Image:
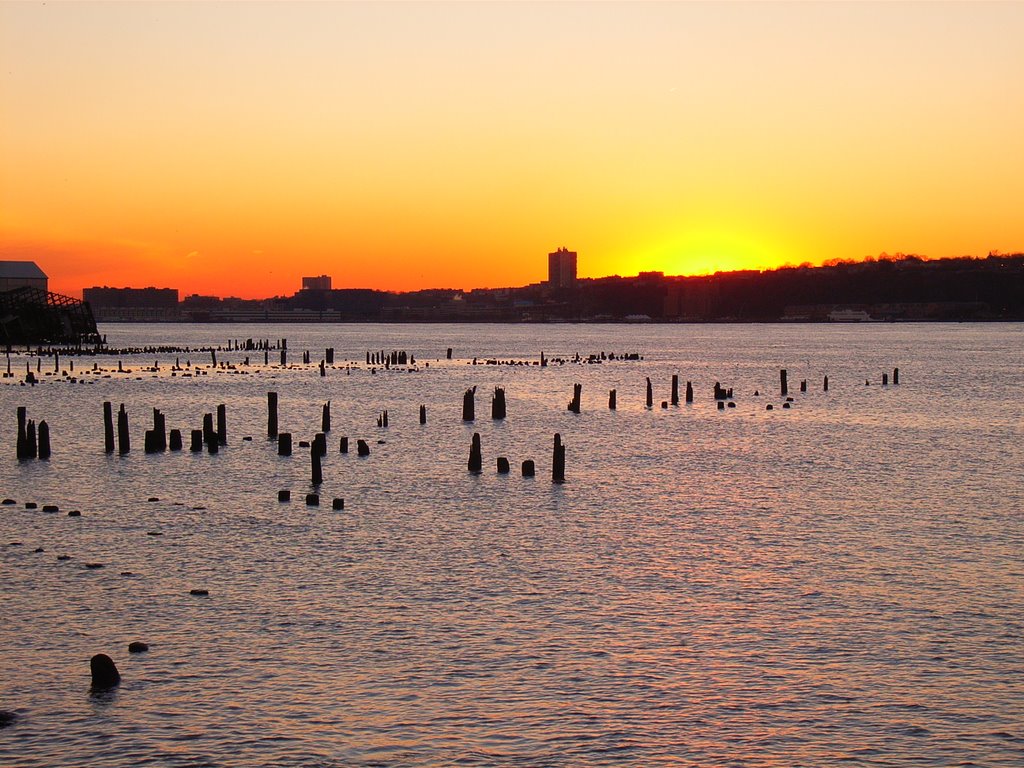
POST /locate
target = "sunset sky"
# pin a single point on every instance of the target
(231, 148)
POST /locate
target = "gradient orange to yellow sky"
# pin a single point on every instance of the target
(231, 148)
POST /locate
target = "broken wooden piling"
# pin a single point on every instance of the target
(498, 404)
(476, 461)
(271, 415)
(108, 427)
(558, 460)
(468, 404)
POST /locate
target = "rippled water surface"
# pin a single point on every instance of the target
(837, 583)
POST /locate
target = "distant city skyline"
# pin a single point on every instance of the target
(232, 148)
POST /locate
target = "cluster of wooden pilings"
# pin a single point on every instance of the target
(395, 357)
(528, 467)
(32, 443)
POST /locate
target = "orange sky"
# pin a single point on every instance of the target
(233, 148)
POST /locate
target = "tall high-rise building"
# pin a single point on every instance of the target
(562, 268)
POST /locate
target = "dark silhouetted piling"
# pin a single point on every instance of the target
(22, 446)
(675, 389)
(325, 417)
(312, 500)
(529, 469)
(44, 440)
(317, 470)
(824, 384)
(196, 446)
(423, 414)
(159, 432)
(362, 449)
(271, 415)
(222, 424)
(558, 460)
(650, 393)
(449, 353)
(885, 379)
(149, 442)
(476, 459)
(344, 445)
(284, 495)
(469, 404)
(803, 385)
(689, 392)
(329, 355)
(31, 447)
(611, 400)
(498, 404)
(895, 376)
(104, 671)
(783, 385)
(503, 466)
(284, 444)
(124, 443)
(108, 427)
(577, 392)
(284, 358)
(175, 441)
(337, 504)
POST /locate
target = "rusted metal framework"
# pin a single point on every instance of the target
(34, 316)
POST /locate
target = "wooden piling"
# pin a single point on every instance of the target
(824, 384)
(528, 468)
(325, 417)
(123, 438)
(895, 376)
(44, 440)
(689, 392)
(476, 461)
(468, 404)
(611, 400)
(783, 385)
(196, 446)
(284, 444)
(803, 385)
(503, 465)
(675, 389)
(344, 445)
(574, 404)
(271, 415)
(317, 469)
(885, 379)
(329, 355)
(498, 404)
(175, 441)
(22, 446)
(449, 353)
(650, 393)
(423, 414)
(210, 434)
(558, 460)
(362, 449)
(159, 430)
(222, 424)
(108, 427)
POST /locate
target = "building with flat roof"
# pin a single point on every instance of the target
(562, 268)
(320, 283)
(22, 274)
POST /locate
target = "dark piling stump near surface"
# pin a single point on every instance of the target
(803, 385)
(611, 400)
(175, 441)
(689, 392)
(650, 393)
(196, 445)
(31, 446)
(312, 499)
(317, 473)
(423, 414)
(104, 671)
(325, 417)
(362, 449)
(469, 404)
(284, 495)
(337, 504)
(529, 469)
(108, 427)
(476, 461)
(895, 376)
(783, 383)
(885, 379)
(271, 415)
(503, 466)
(284, 444)
(210, 434)
(343, 446)
(558, 460)
(675, 389)
(329, 355)
(21, 449)
(824, 384)
(449, 353)
(137, 647)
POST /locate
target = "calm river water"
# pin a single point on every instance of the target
(837, 583)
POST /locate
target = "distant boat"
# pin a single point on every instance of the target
(849, 316)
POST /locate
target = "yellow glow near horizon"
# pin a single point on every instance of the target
(232, 148)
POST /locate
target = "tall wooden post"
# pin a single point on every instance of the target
(558, 460)
(783, 385)
(222, 424)
(650, 393)
(271, 415)
(476, 461)
(124, 444)
(108, 427)
(468, 404)
(675, 389)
